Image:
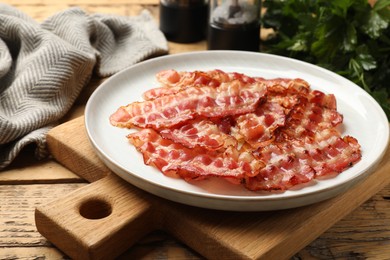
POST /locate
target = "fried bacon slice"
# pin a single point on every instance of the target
(203, 133)
(311, 116)
(298, 161)
(173, 81)
(286, 92)
(283, 169)
(228, 99)
(197, 163)
(257, 128)
(328, 153)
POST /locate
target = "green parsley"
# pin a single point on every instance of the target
(349, 37)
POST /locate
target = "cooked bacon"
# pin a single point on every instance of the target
(203, 133)
(328, 153)
(283, 169)
(267, 134)
(308, 117)
(298, 161)
(228, 99)
(172, 82)
(257, 128)
(286, 92)
(285, 85)
(321, 99)
(172, 77)
(197, 163)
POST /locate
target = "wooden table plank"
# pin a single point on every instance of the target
(31, 253)
(41, 11)
(18, 202)
(47, 171)
(80, 2)
(20, 239)
(365, 233)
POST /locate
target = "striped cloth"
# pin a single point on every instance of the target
(44, 66)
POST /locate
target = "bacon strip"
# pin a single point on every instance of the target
(286, 92)
(257, 128)
(172, 158)
(203, 133)
(309, 117)
(283, 169)
(228, 99)
(172, 82)
(301, 160)
(328, 153)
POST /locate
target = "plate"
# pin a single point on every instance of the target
(363, 118)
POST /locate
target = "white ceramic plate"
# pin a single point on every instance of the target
(363, 119)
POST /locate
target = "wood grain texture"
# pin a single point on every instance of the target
(62, 145)
(18, 234)
(363, 234)
(99, 221)
(81, 2)
(32, 253)
(234, 235)
(41, 10)
(19, 238)
(27, 170)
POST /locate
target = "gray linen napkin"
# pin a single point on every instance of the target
(44, 66)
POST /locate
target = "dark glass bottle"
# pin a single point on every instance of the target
(234, 25)
(184, 21)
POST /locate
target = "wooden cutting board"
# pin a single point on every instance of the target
(106, 217)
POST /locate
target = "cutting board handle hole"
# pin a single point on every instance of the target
(95, 208)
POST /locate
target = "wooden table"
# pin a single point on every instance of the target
(365, 233)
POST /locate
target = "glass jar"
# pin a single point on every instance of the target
(184, 21)
(234, 25)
